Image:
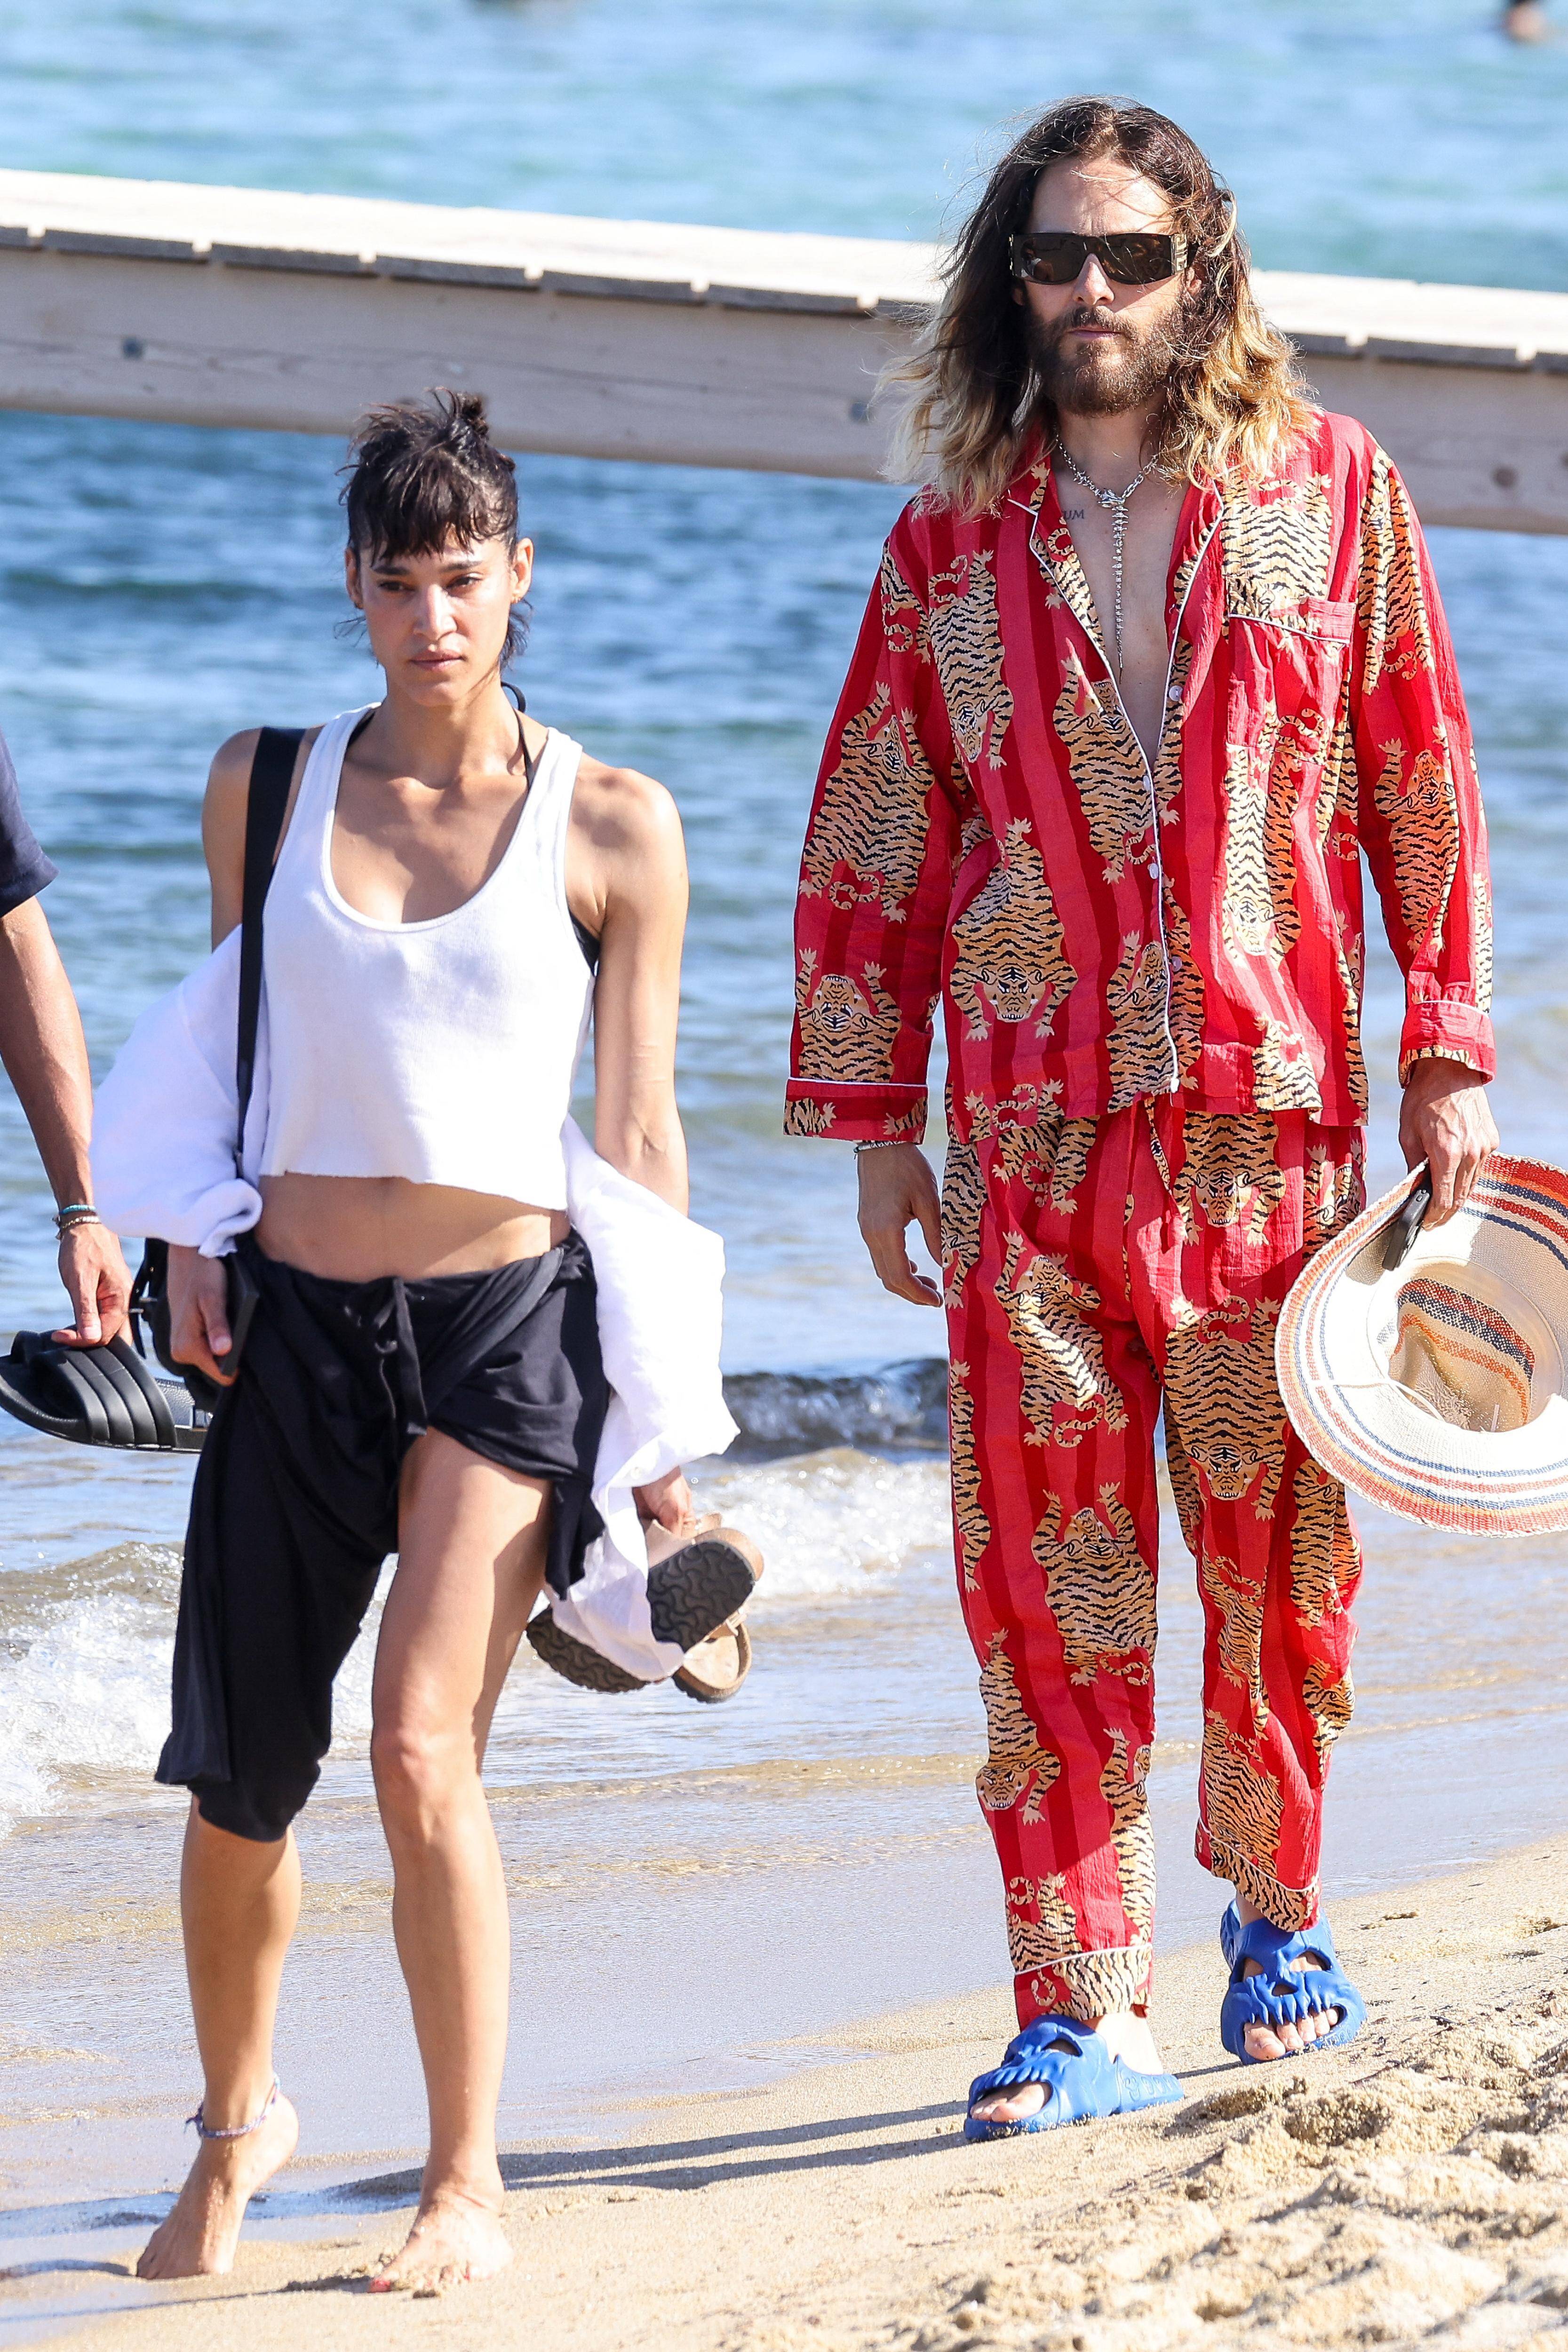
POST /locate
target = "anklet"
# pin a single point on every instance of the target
(235, 2131)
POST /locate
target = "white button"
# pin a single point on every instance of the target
(1175, 695)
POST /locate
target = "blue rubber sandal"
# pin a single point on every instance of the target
(1081, 2078)
(1283, 1995)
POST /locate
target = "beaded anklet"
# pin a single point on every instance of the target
(235, 2131)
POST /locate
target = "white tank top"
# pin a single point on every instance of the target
(443, 1051)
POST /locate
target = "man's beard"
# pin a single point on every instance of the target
(1101, 378)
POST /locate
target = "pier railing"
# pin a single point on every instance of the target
(674, 345)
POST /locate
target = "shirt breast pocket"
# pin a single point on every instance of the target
(1295, 657)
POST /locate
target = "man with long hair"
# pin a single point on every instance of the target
(1154, 658)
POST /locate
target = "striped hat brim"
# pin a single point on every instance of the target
(1474, 1439)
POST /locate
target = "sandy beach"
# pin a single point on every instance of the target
(1409, 2190)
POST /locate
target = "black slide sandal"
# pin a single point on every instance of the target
(107, 1395)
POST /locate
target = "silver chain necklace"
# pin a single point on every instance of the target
(1115, 503)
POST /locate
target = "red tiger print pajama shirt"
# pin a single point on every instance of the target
(1151, 980)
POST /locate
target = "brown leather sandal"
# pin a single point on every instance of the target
(717, 1667)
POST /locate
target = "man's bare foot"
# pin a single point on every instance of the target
(199, 2237)
(1289, 2041)
(455, 2240)
(1124, 2034)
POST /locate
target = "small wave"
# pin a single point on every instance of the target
(903, 1406)
(86, 1644)
(84, 1672)
(826, 1521)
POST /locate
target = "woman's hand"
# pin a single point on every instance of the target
(667, 1503)
(897, 1190)
(669, 1517)
(98, 1283)
(198, 1312)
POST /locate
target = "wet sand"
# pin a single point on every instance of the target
(1411, 2189)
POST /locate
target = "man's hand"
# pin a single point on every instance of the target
(198, 1312)
(1445, 1121)
(897, 1190)
(98, 1283)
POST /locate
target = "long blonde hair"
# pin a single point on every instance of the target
(1232, 400)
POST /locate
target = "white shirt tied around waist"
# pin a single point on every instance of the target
(443, 1051)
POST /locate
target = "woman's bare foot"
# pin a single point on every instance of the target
(455, 2240)
(1289, 2041)
(1125, 2034)
(199, 2237)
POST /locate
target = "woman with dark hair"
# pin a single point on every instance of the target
(457, 887)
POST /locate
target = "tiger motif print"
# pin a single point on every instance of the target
(1107, 770)
(1390, 608)
(1009, 940)
(1035, 1145)
(1277, 551)
(968, 1511)
(1143, 1058)
(1062, 1355)
(1087, 1985)
(1124, 1786)
(847, 1031)
(1338, 784)
(1225, 1400)
(804, 1117)
(1324, 1558)
(1331, 1702)
(1228, 1159)
(1261, 784)
(1330, 1196)
(903, 615)
(1481, 919)
(1242, 1804)
(966, 644)
(963, 1205)
(1282, 1076)
(1100, 1589)
(1018, 1763)
(1423, 819)
(1348, 963)
(1185, 1494)
(1186, 1008)
(1042, 1927)
(1238, 1601)
(869, 837)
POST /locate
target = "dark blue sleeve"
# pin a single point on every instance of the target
(24, 868)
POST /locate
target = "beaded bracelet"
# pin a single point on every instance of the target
(879, 1143)
(76, 1212)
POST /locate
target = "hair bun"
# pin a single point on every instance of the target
(465, 411)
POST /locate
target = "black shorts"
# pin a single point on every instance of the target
(294, 1507)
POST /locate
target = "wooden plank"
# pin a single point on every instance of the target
(307, 352)
(659, 342)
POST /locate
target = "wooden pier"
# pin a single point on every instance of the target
(673, 345)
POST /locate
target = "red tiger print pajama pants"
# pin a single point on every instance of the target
(1091, 1264)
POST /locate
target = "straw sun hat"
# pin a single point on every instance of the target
(1435, 1385)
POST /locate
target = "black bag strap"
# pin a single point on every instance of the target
(271, 775)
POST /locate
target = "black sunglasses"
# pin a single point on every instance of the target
(1052, 257)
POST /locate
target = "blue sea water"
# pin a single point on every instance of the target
(160, 587)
